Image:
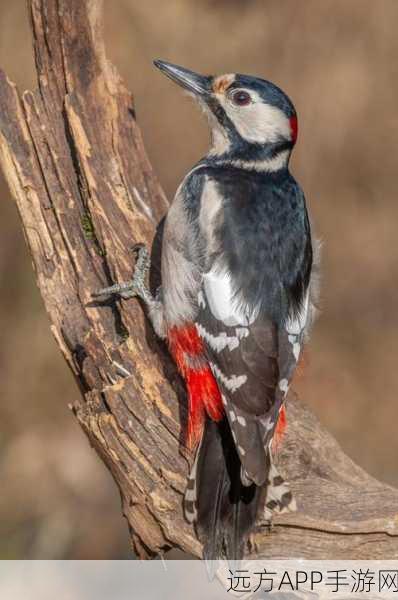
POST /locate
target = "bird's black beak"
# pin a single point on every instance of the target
(193, 82)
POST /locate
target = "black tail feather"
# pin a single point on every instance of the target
(226, 509)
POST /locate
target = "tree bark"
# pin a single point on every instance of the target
(73, 156)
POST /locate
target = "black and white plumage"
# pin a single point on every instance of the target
(250, 307)
(237, 269)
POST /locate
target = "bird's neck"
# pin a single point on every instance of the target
(269, 157)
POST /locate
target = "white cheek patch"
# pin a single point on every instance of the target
(257, 122)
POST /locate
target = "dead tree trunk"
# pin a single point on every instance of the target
(74, 160)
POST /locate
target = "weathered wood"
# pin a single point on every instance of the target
(73, 156)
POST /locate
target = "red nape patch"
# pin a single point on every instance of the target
(203, 394)
(294, 128)
(280, 429)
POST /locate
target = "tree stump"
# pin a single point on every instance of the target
(73, 156)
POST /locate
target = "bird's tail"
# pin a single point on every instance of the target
(223, 509)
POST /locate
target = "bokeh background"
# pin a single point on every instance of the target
(338, 60)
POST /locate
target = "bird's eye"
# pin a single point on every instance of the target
(241, 98)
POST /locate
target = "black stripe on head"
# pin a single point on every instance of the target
(269, 92)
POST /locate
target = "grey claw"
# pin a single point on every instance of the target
(126, 295)
(102, 292)
(125, 290)
(135, 287)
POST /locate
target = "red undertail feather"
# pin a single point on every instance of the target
(204, 396)
(280, 428)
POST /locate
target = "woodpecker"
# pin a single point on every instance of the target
(236, 302)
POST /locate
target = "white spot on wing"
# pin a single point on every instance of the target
(242, 332)
(268, 424)
(232, 383)
(218, 342)
(293, 339)
(201, 300)
(284, 385)
(223, 302)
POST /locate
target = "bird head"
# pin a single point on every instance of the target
(249, 117)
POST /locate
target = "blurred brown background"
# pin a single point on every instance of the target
(338, 60)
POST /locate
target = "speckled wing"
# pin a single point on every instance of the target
(253, 361)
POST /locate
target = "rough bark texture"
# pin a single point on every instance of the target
(73, 156)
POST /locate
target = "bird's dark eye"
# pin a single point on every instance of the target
(241, 98)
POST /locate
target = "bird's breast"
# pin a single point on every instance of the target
(255, 244)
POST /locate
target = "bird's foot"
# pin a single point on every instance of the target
(136, 287)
